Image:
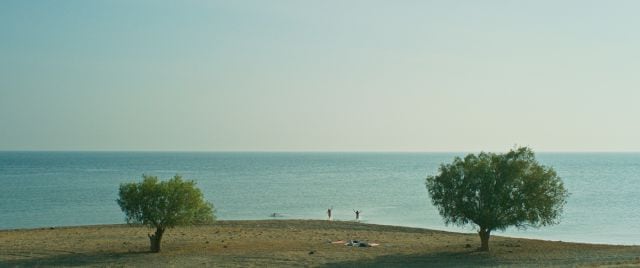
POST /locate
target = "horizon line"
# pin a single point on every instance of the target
(292, 151)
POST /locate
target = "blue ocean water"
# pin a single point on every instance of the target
(41, 189)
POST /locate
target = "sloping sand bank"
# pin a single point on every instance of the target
(278, 243)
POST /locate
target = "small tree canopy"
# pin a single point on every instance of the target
(495, 191)
(164, 205)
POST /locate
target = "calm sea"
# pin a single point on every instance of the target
(41, 189)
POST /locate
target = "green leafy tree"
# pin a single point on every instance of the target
(163, 205)
(495, 191)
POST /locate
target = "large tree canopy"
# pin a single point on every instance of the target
(164, 205)
(495, 191)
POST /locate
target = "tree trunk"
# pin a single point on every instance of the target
(484, 239)
(155, 239)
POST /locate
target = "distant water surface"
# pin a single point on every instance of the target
(41, 189)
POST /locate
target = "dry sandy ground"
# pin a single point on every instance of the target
(284, 243)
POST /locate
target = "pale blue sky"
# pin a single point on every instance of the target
(320, 75)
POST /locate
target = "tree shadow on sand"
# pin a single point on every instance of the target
(70, 260)
(436, 259)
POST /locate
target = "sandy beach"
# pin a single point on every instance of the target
(292, 243)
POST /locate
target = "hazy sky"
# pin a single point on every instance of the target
(320, 75)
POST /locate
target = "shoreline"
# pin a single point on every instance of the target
(494, 234)
(292, 243)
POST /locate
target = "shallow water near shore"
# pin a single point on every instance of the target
(41, 189)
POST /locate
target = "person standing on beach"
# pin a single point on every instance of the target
(329, 213)
(357, 214)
